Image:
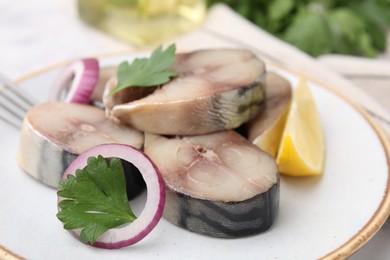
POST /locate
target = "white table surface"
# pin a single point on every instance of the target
(38, 33)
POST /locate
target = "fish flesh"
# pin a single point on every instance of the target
(54, 133)
(265, 129)
(217, 184)
(216, 89)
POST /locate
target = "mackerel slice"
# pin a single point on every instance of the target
(53, 134)
(265, 129)
(217, 184)
(216, 89)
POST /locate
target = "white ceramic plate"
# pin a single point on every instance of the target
(328, 216)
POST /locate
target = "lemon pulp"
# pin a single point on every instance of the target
(302, 148)
(269, 141)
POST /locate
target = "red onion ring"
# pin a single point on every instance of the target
(151, 214)
(83, 75)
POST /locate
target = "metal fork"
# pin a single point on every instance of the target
(13, 103)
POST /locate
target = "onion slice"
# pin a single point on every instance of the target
(82, 76)
(132, 233)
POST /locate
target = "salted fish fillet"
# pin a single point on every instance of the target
(53, 134)
(216, 89)
(266, 128)
(217, 184)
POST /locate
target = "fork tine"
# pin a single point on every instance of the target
(13, 103)
(12, 112)
(10, 122)
(8, 84)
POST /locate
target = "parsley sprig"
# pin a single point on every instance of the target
(95, 199)
(318, 27)
(147, 72)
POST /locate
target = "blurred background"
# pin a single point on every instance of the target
(338, 33)
(353, 27)
(316, 27)
(348, 27)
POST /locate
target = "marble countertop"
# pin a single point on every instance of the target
(38, 33)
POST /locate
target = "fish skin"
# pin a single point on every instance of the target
(53, 134)
(223, 219)
(40, 158)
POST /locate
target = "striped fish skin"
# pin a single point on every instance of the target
(223, 219)
(40, 158)
(216, 89)
(53, 134)
(265, 129)
(217, 184)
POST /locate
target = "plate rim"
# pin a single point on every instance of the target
(345, 250)
(382, 213)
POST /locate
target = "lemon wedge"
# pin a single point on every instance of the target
(302, 148)
(269, 141)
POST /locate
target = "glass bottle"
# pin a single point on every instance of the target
(143, 22)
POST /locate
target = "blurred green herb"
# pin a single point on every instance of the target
(318, 27)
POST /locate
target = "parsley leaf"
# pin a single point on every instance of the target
(349, 33)
(147, 72)
(278, 10)
(95, 199)
(310, 32)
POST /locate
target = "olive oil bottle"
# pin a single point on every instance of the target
(143, 22)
